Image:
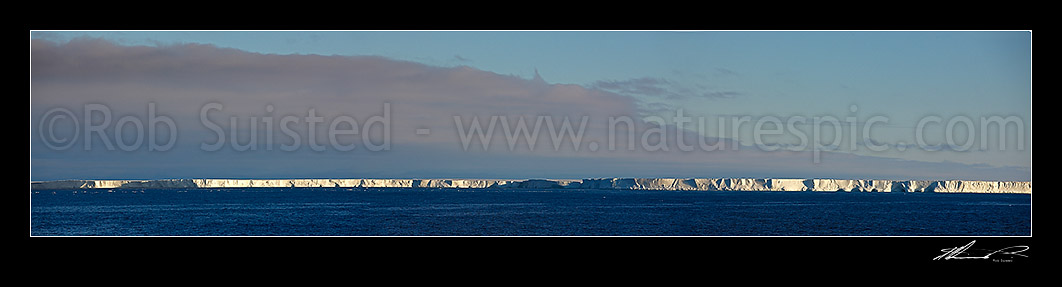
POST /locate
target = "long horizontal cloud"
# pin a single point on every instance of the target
(179, 80)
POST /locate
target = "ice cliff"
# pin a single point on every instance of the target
(705, 184)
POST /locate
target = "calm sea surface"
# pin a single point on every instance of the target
(444, 212)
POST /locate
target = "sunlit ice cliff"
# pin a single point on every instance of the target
(692, 184)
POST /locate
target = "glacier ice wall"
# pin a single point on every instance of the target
(705, 184)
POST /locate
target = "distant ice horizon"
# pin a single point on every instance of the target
(703, 184)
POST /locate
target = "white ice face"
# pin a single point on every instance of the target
(706, 184)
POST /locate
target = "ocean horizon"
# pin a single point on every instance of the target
(524, 212)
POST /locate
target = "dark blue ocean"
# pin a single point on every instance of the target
(452, 212)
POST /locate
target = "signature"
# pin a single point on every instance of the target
(965, 252)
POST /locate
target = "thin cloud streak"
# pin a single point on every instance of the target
(660, 88)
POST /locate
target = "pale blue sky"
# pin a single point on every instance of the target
(904, 75)
(967, 71)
